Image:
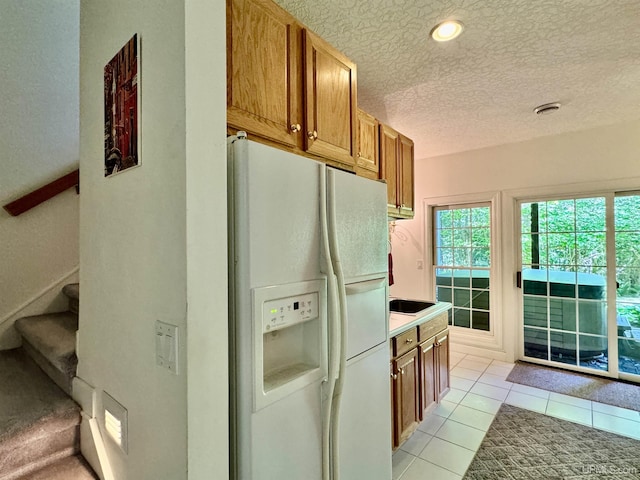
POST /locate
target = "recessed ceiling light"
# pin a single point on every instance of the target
(547, 108)
(446, 31)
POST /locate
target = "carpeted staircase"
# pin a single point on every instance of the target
(39, 422)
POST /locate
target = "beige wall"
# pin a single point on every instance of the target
(39, 143)
(153, 238)
(603, 158)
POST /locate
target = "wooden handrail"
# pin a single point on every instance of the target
(42, 194)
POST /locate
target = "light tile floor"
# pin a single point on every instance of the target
(446, 441)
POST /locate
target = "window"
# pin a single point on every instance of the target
(462, 263)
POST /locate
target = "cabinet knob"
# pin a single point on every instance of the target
(312, 135)
(409, 340)
(359, 154)
(394, 376)
(295, 127)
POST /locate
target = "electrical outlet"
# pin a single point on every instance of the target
(419, 264)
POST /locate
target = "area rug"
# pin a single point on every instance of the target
(590, 387)
(521, 444)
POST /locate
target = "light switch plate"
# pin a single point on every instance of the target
(167, 346)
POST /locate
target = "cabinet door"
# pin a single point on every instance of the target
(330, 101)
(407, 396)
(367, 157)
(406, 176)
(428, 375)
(264, 82)
(442, 353)
(389, 139)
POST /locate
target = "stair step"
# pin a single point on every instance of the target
(51, 340)
(72, 291)
(39, 423)
(69, 468)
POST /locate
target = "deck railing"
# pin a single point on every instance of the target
(42, 194)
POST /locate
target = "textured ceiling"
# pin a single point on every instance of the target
(480, 89)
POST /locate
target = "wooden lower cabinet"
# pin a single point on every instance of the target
(419, 380)
(428, 375)
(442, 364)
(406, 396)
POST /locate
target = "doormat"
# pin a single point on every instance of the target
(590, 387)
(521, 444)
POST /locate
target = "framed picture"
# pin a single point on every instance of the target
(121, 112)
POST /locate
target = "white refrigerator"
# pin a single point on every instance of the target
(310, 393)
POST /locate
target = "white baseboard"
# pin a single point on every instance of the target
(48, 300)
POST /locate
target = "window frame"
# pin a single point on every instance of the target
(493, 338)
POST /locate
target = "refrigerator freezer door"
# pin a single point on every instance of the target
(278, 216)
(361, 223)
(365, 419)
(286, 440)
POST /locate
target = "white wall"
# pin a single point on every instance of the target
(153, 238)
(39, 143)
(607, 157)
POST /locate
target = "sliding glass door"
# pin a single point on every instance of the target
(570, 268)
(627, 244)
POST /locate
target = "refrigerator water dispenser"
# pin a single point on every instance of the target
(290, 339)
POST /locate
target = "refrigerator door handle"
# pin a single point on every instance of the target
(332, 328)
(342, 328)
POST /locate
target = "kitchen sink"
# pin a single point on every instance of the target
(398, 305)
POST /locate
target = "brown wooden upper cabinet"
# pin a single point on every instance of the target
(367, 154)
(264, 84)
(287, 85)
(396, 167)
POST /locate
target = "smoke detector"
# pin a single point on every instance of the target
(547, 108)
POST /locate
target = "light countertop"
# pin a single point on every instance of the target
(401, 322)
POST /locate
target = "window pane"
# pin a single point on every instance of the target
(592, 249)
(443, 294)
(561, 216)
(444, 256)
(592, 317)
(443, 218)
(461, 297)
(535, 343)
(462, 278)
(480, 216)
(444, 237)
(562, 284)
(480, 279)
(461, 318)
(629, 352)
(590, 215)
(564, 348)
(562, 248)
(592, 285)
(627, 248)
(480, 299)
(481, 237)
(461, 218)
(443, 276)
(592, 346)
(626, 216)
(461, 257)
(535, 311)
(480, 320)
(462, 237)
(562, 314)
(525, 218)
(480, 257)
